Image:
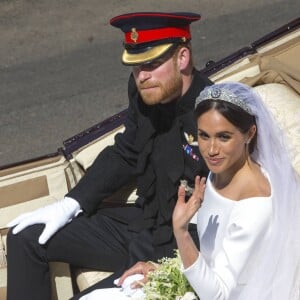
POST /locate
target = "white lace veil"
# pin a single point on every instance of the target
(277, 277)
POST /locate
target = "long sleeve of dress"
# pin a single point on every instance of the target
(231, 234)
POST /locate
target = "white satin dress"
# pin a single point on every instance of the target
(231, 234)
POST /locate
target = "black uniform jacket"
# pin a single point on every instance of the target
(155, 150)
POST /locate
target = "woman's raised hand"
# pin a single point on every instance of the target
(184, 210)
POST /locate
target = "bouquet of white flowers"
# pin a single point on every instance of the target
(167, 282)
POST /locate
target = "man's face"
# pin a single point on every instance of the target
(159, 81)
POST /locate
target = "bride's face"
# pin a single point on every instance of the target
(221, 144)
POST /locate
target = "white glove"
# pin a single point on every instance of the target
(126, 286)
(54, 216)
(123, 293)
(109, 293)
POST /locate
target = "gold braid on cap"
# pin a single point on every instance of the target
(216, 93)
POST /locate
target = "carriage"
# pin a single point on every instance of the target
(271, 65)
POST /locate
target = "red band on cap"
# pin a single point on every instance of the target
(144, 36)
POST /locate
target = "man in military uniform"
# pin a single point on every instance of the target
(158, 149)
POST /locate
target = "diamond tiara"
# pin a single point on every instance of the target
(216, 93)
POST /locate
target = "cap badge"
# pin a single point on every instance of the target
(134, 35)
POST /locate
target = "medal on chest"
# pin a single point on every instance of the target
(189, 145)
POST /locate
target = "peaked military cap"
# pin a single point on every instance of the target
(150, 35)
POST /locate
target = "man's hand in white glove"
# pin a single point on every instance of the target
(123, 293)
(54, 216)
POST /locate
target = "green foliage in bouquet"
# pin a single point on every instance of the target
(167, 282)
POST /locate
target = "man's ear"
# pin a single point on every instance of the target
(183, 58)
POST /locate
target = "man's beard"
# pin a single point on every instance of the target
(161, 93)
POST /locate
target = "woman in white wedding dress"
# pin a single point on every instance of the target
(248, 208)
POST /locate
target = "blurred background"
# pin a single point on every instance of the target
(60, 68)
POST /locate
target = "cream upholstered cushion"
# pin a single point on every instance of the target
(284, 103)
(24, 188)
(87, 277)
